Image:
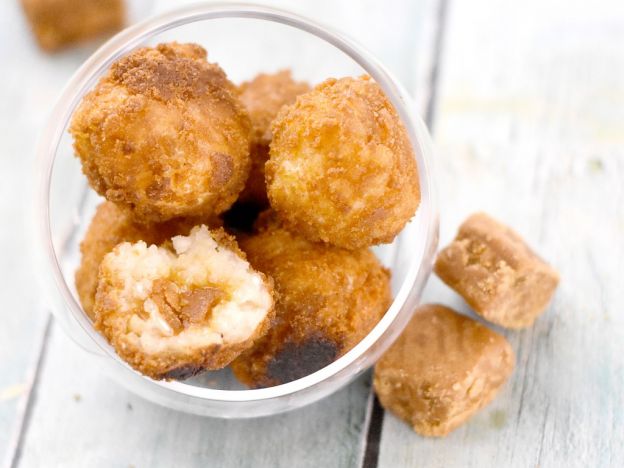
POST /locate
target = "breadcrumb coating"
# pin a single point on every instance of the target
(263, 97)
(164, 133)
(112, 225)
(327, 300)
(341, 167)
(172, 313)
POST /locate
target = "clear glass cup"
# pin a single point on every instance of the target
(245, 40)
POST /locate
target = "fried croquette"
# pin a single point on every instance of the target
(263, 97)
(327, 300)
(341, 167)
(60, 23)
(112, 225)
(172, 313)
(165, 134)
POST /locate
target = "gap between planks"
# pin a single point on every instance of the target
(29, 397)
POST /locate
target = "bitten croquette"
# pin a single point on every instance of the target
(112, 225)
(174, 312)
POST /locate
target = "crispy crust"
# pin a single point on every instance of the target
(327, 300)
(341, 167)
(442, 370)
(263, 98)
(181, 367)
(182, 363)
(164, 134)
(112, 225)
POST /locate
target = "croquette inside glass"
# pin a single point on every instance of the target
(341, 168)
(174, 311)
(112, 225)
(327, 300)
(164, 133)
(263, 97)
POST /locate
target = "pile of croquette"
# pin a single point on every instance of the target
(237, 229)
(238, 220)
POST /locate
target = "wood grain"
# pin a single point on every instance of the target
(530, 129)
(25, 97)
(81, 418)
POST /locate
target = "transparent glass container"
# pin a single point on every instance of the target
(244, 40)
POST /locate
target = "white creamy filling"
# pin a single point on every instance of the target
(136, 266)
(200, 261)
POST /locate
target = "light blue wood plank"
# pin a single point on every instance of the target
(29, 83)
(530, 129)
(81, 418)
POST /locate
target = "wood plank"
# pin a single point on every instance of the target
(74, 406)
(529, 128)
(83, 419)
(26, 99)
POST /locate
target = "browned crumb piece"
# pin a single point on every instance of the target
(174, 311)
(57, 23)
(263, 97)
(496, 273)
(442, 370)
(112, 225)
(327, 300)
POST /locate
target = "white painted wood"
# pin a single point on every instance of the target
(83, 419)
(29, 84)
(531, 129)
(72, 415)
(26, 392)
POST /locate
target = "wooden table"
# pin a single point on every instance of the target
(526, 105)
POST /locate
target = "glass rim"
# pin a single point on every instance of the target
(137, 34)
